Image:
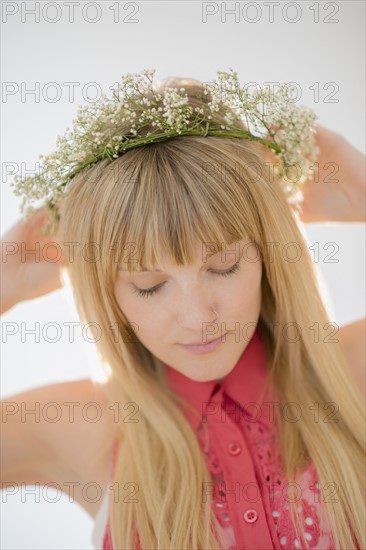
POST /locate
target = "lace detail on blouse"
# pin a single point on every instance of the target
(262, 439)
(219, 502)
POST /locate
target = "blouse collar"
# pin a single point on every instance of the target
(245, 385)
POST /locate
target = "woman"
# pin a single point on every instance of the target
(184, 467)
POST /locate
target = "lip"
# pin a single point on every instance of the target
(204, 348)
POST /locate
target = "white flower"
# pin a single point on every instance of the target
(96, 131)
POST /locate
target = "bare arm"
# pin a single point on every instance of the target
(71, 450)
(28, 276)
(35, 449)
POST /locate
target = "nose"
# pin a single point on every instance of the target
(194, 309)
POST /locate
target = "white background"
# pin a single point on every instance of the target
(173, 38)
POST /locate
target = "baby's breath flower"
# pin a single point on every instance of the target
(270, 117)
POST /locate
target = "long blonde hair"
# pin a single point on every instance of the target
(217, 190)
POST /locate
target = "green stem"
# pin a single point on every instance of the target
(155, 138)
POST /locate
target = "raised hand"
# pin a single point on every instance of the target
(338, 190)
(30, 261)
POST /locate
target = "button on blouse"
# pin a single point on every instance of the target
(236, 431)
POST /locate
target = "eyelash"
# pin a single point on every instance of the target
(145, 293)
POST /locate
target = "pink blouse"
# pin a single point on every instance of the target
(237, 434)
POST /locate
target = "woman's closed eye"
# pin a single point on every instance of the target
(146, 292)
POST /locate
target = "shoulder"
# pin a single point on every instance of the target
(84, 441)
(70, 439)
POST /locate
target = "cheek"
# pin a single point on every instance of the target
(136, 310)
(118, 294)
(247, 295)
(124, 301)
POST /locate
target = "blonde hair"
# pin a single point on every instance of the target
(158, 197)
